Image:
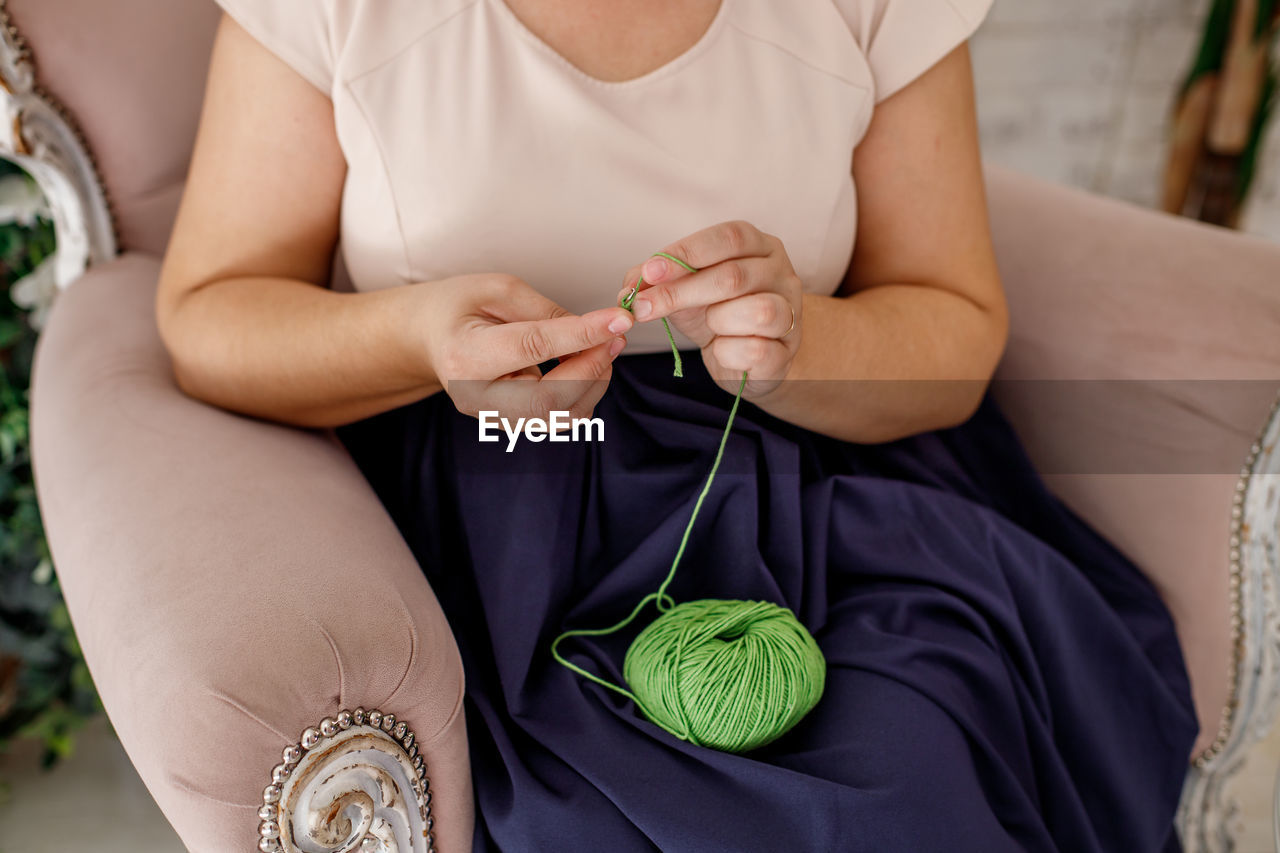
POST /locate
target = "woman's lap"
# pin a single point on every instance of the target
(998, 676)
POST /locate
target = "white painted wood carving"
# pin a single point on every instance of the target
(38, 135)
(356, 782)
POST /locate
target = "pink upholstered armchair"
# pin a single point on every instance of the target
(271, 656)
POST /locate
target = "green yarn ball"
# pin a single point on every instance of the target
(732, 675)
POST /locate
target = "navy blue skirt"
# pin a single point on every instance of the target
(999, 676)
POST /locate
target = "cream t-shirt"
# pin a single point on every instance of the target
(472, 146)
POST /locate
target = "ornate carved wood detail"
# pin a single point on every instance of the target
(355, 782)
(39, 135)
(1208, 815)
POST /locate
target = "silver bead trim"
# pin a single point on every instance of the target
(1235, 572)
(317, 737)
(310, 738)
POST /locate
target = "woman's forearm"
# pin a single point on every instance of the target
(293, 352)
(888, 362)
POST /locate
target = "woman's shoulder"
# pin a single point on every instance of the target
(901, 39)
(330, 40)
(877, 44)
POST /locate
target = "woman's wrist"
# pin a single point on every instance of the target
(887, 363)
(408, 313)
(830, 325)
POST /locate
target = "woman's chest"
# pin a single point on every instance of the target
(481, 149)
(620, 40)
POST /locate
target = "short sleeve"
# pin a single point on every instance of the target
(299, 32)
(902, 39)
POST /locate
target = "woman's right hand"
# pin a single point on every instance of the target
(486, 334)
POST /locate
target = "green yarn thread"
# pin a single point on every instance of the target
(732, 675)
(631, 297)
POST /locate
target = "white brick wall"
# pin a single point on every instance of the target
(1081, 92)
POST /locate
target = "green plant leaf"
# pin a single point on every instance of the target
(55, 692)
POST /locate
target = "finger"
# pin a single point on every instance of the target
(630, 281)
(508, 347)
(656, 268)
(765, 315)
(726, 280)
(760, 357)
(636, 283)
(586, 379)
(472, 396)
(734, 239)
(562, 389)
(706, 247)
(512, 300)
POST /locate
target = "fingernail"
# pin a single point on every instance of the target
(616, 347)
(642, 308)
(655, 269)
(620, 324)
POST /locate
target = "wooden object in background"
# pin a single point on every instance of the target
(1221, 113)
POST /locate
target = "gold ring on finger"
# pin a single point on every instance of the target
(792, 327)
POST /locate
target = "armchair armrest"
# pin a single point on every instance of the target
(233, 583)
(1142, 374)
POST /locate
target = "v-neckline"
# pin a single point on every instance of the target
(668, 67)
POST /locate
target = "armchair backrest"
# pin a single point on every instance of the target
(139, 107)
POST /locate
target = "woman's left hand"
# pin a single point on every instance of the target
(742, 306)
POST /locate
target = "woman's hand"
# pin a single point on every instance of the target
(485, 336)
(742, 307)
